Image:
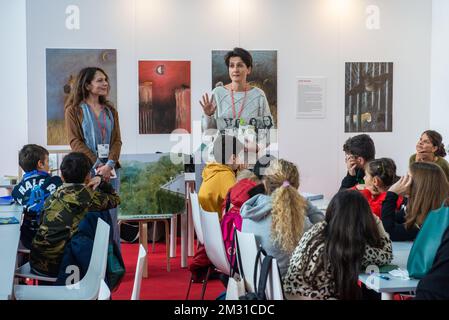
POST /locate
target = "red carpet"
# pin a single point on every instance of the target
(160, 284)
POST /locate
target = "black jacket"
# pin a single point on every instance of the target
(393, 220)
(435, 285)
(350, 181)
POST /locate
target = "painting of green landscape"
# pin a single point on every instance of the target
(151, 184)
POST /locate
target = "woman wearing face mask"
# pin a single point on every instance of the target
(430, 148)
(236, 100)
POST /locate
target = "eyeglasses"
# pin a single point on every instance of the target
(350, 157)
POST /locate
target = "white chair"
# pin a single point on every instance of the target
(214, 245)
(195, 205)
(274, 289)
(248, 251)
(86, 289)
(138, 276)
(24, 271)
(105, 293)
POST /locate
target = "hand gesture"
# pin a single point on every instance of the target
(105, 171)
(208, 105)
(351, 165)
(94, 183)
(402, 186)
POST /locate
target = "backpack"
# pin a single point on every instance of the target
(231, 219)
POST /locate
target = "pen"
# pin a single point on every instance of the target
(380, 276)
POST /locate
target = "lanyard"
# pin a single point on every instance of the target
(233, 104)
(100, 126)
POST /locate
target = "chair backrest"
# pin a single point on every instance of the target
(138, 276)
(195, 205)
(97, 265)
(248, 252)
(105, 293)
(89, 286)
(213, 240)
(274, 290)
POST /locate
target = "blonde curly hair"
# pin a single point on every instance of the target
(289, 207)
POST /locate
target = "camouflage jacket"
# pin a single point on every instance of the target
(62, 213)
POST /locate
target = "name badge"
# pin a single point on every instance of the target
(103, 151)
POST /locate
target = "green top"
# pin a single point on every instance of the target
(440, 161)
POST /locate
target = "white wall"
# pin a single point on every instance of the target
(311, 41)
(13, 84)
(439, 98)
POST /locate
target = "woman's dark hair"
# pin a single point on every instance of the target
(79, 91)
(361, 146)
(437, 141)
(243, 54)
(75, 167)
(350, 228)
(30, 155)
(384, 169)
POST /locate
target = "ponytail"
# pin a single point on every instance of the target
(288, 215)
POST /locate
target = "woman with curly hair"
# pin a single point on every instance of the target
(280, 217)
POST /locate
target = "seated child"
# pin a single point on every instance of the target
(219, 176)
(35, 187)
(358, 151)
(330, 256)
(425, 187)
(247, 185)
(279, 217)
(380, 174)
(64, 210)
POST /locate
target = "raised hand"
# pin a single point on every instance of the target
(351, 165)
(208, 105)
(402, 186)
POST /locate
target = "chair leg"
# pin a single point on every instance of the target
(167, 243)
(203, 290)
(154, 236)
(190, 285)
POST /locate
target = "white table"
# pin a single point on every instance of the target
(9, 243)
(387, 288)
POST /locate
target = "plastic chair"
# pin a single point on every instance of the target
(248, 251)
(274, 289)
(213, 243)
(86, 289)
(105, 293)
(24, 271)
(195, 204)
(138, 276)
(196, 208)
